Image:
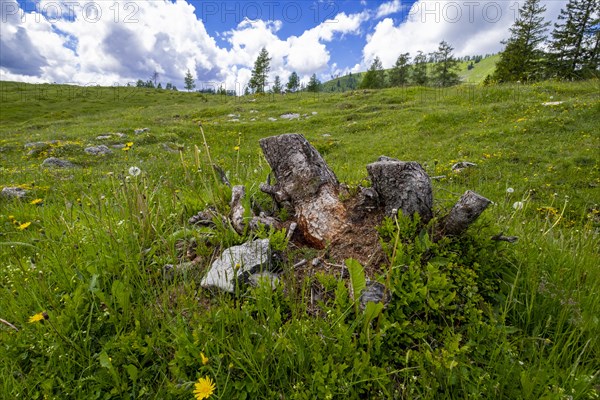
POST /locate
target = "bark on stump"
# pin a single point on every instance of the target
(402, 186)
(305, 180)
(464, 213)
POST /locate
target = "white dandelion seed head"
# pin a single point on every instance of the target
(134, 171)
(510, 190)
(517, 205)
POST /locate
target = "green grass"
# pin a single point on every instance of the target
(468, 317)
(483, 68)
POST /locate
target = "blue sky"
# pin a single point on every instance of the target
(113, 42)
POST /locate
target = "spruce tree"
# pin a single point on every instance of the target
(277, 87)
(189, 81)
(374, 78)
(446, 66)
(522, 56)
(400, 71)
(293, 82)
(574, 46)
(314, 85)
(261, 69)
(419, 71)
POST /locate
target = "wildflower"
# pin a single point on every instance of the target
(38, 317)
(204, 388)
(126, 148)
(236, 148)
(510, 190)
(517, 205)
(129, 144)
(36, 201)
(134, 171)
(24, 226)
(204, 359)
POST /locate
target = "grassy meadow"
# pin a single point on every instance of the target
(469, 317)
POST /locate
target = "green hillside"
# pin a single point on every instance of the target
(474, 76)
(100, 290)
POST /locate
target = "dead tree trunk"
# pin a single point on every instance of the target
(402, 186)
(464, 213)
(308, 184)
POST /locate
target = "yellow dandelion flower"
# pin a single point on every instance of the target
(126, 148)
(24, 226)
(129, 144)
(11, 217)
(236, 148)
(204, 359)
(204, 388)
(38, 317)
(36, 201)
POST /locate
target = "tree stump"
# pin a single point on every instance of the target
(464, 213)
(305, 180)
(402, 186)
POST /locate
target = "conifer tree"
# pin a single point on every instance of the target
(574, 45)
(522, 56)
(446, 66)
(419, 71)
(314, 85)
(277, 87)
(293, 82)
(261, 69)
(374, 78)
(400, 71)
(189, 81)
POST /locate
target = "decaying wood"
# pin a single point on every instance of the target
(402, 186)
(464, 213)
(501, 238)
(306, 181)
(304, 184)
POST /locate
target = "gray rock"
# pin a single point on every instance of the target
(264, 277)
(56, 162)
(462, 164)
(142, 130)
(103, 137)
(290, 116)
(375, 292)
(37, 145)
(272, 119)
(237, 262)
(98, 150)
(13, 192)
(233, 120)
(118, 146)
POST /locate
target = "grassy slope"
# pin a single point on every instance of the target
(85, 245)
(474, 76)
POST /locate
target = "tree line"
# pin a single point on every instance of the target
(571, 51)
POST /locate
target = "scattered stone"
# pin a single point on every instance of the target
(13, 192)
(103, 137)
(39, 145)
(272, 119)
(326, 135)
(170, 147)
(253, 119)
(290, 116)
(98, 150)
(139, 131)
(205, 218)
(375, 292)
(233, 115)
(237, 262)
(233, 120)
(264, 277)
(462, 165)
(118, 146)
(56, 162)
(552, 103)
(120, 134)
